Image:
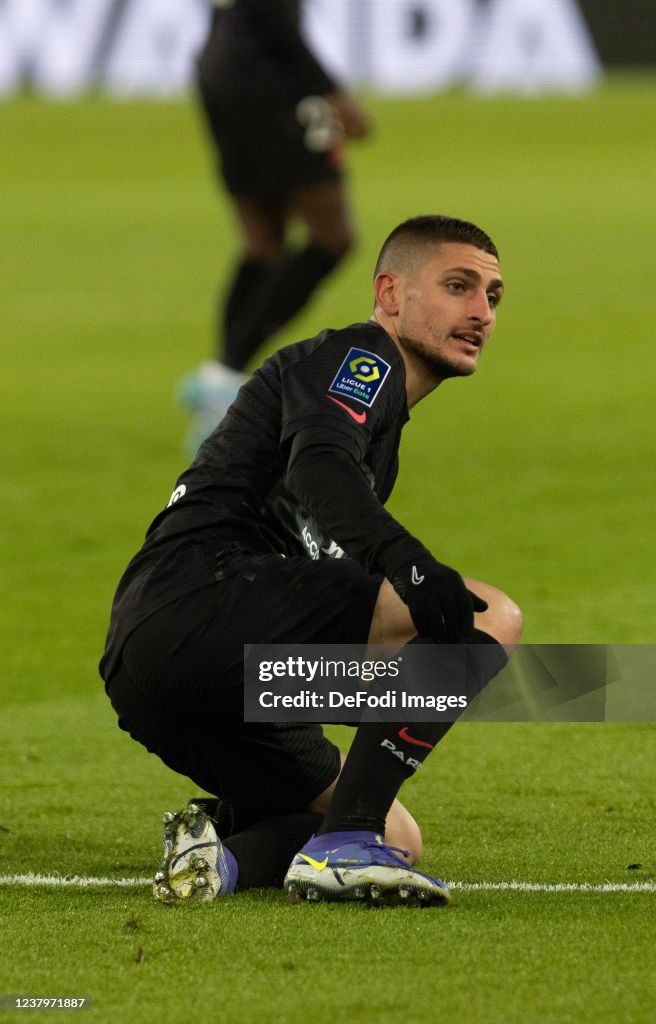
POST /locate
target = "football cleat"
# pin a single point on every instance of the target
(208, 393)
(220, 811)
(194, 865)
(364, 870)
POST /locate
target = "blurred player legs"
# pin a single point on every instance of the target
(277, 120)
(270, 284)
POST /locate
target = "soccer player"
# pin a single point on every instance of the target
(277, 120)
(277, 533)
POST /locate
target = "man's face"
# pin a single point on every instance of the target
(447, 308)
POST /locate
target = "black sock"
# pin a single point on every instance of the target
(249, 278)
(384, 754)
(279, 294)
(374, 773)
(265, 849)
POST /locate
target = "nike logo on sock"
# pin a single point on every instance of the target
(403, 734)
(359, 417)
(318, 865)
(416, 578)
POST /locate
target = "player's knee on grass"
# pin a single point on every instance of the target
(402, 830)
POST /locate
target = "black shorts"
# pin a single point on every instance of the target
(179, 690)
(271, 146)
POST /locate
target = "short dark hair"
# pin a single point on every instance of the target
(400, 247)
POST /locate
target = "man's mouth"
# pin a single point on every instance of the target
(471, 337)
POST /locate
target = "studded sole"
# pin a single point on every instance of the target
(371, 893)
(198, 881)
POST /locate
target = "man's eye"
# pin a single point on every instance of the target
(493, 300)
(456, 286)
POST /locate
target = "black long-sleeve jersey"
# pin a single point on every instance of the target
(301, 464)
(256, 47)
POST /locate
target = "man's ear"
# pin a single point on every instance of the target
(387, 289)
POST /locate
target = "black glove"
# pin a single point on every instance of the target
(440, 604)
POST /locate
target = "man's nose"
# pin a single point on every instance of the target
(480, 309)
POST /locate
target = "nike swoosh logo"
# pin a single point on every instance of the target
(318, 865)
(359, 417)
(416, 578)
(403, 733)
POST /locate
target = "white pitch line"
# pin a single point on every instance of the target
(553, 886)
(79, 881)
(83, 882)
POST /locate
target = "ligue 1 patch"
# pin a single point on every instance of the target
(361, 376)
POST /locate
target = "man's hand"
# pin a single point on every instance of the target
(353, 120)
(440, 605)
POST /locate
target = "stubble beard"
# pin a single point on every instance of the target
(433, 362)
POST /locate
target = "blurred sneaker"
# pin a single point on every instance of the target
(359, 866)
(208, 393)
(195, 865)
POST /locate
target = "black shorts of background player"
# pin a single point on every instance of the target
(278, 121)
(277, 533)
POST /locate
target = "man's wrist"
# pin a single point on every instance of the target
(408, 578)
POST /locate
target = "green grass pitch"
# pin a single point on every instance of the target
(537, 474)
